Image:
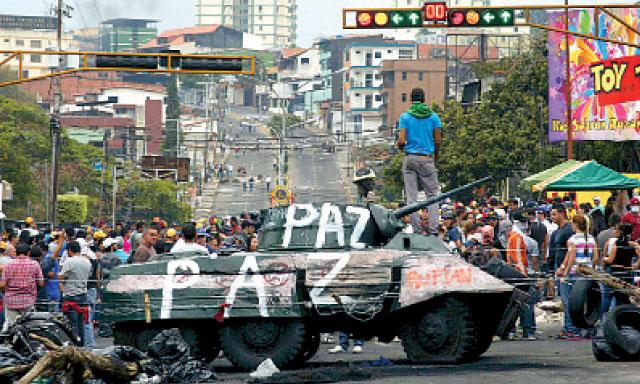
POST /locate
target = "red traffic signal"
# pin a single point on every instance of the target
(464, 18)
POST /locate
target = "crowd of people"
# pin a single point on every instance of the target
(61, 270)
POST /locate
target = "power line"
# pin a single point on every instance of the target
(84, 20)
(95, 5)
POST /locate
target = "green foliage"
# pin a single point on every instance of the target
(158, 198)
(392, 182)
(173, 114)
(13, 91)
(276, 123)
(25, 152)
(72, 209)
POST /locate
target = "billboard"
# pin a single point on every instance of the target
(605, 78)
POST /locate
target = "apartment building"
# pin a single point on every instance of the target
(362, 87)
(126, 35)
(31, 33)
(273, 21)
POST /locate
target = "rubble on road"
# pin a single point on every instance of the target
(169, 361)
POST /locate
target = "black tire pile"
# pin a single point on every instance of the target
(617, 336)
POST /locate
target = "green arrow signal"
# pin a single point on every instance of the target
(397, 19)
(488, 17)
(414, 18)
(506, 16)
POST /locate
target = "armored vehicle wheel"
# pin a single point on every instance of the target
(248, 343)
(444, 334)
(310, 348)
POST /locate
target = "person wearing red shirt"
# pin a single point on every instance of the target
(20, 279)
(633, 217)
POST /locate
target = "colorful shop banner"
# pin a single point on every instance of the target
(605, 82)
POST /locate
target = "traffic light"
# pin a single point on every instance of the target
(481, 17)
(177, 62)
(389, 18)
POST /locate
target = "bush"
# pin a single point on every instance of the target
(72, 209)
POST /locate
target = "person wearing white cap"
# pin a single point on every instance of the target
(597, 204)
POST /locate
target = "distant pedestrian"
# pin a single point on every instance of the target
(20, 280)
(252, 181)
(244, 184)
(267, 181)
(420, 137)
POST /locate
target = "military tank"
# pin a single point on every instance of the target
(318, 268)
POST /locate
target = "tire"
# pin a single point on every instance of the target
(248, 343)
(585, 303)
(204, 343)
(310, 348)
(444, 334)
(622, 331)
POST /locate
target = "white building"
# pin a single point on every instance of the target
(31, 33)
(274, 21)
(363, 83)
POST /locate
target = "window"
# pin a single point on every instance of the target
(421, 76)
(404, 97)
(36, 43)
(404, 76)
(25, 73)
(378, 55)
(389, 51)
(304, 61)
(378, 97)
(405, 54)
(260, 8)
(36, 58)
(6, 40)
(20, 43)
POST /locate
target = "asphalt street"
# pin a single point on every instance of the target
(545, 361)
(313, 173)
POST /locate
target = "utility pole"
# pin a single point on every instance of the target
(283, 154)
(56, 127)
(115, 192)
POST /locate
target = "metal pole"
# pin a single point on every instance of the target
(56, 128)
(283, 135)
(568, 77)
(113, 198)
(206, 139)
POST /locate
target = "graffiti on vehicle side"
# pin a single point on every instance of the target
(329, 220)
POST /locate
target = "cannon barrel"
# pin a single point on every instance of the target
(409, 209)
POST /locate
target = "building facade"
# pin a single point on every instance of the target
(362, 88)
(400, 77)
(273, 21)
(126, 35)
(32, 33)
(200, 39)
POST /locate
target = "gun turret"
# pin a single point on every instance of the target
(409, 209)
(389, 221)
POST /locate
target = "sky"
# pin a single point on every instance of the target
(316, 18)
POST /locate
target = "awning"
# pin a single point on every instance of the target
(579, 176)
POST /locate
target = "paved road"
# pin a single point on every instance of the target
(314, 173)
(519, 362)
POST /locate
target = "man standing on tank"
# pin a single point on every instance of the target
(420, 133)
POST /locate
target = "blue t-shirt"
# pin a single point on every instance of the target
(52, 284)
(420, 138)
(122, 255)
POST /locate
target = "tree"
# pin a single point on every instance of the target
(170, 142)
(158, 198)
(25, 151)
(291, 120)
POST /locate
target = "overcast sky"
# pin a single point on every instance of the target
(316, 18)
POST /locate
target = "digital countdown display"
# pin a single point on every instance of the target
(434, 12)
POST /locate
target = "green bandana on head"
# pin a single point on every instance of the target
(420, 110)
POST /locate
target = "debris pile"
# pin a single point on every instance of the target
(169, 361)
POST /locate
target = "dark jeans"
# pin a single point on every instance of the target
(527, 314)
(76, 319)
(344, 341)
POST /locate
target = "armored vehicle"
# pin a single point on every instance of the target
(318, 268)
